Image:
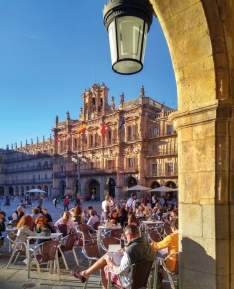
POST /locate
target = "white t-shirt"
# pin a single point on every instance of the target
(106, 203)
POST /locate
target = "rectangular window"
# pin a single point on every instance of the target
(39, 165)
(130, 132)
(170, 168)
(110, 164)
(45, 177)
(46, 164)
(130, 162)
(39, 177)
(169, 129)
(155, 131)
(154, 169)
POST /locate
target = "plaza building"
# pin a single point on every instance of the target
(118, 146)
(27, 167)
(126, 144)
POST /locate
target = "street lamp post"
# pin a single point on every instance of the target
(78, 159)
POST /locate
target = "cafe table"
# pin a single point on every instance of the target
(9, 230)
(101, 228)
(146, 223)
(38, 237)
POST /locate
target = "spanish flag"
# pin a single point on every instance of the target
(82, 128)
(103, 128)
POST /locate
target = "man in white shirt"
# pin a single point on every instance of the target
(131, 202)
(136, 250)
(106, 205)
(17, 215)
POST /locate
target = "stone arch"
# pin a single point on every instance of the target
(17, 191)
(1, 191)
(155, 185)
(46, 189)
(92, 186)
(130, 182)
(11, 191)
(62, 186)
(22, 191)
(200, 37)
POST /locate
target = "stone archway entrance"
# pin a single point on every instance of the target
(62, 186)
(1, 191)
(202, 54)
(92, 187)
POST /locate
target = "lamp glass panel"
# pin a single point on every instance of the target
(129, 36)
(144, 43)
(112, 41)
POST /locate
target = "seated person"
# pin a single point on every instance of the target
(35, 213)
(24, 230)
(171, 242)
(66, 219)
(92, 220)
(113, 216)
(17, 215)
(122, 217)
(137, 250)
(41, 226)
(2, 227)
(132, 219)
(47, 215)
(77, 212)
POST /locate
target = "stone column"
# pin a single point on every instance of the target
(206, 194)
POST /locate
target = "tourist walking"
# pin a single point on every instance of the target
(55, 202)
(66, 204)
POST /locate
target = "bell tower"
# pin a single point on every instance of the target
(95, 101)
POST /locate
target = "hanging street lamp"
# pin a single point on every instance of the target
(127, 23)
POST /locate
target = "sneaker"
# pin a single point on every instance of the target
(33, 262)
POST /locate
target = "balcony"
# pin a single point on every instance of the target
(162, 134)
(29, 168)
(162, 153)
(127, 170)
(26, 157)
(85, 172)
(28, 181)
(154, 174)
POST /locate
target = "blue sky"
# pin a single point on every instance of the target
(51, 51)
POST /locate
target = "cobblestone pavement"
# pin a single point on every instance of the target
(16, 275)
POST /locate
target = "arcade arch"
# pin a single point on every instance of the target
(62, 186)
(92, 187)
(1, 191)
(202, 55)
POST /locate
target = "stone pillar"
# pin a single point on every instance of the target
(206, 195)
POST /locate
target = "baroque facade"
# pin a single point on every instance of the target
(123, 145)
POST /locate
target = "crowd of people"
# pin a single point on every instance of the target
(125, 213)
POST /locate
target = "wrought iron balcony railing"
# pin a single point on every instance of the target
(27, 181)
(95, 171)
(29, 168)
(150, 174)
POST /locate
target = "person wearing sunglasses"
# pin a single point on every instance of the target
(136, 250)
(41, 226)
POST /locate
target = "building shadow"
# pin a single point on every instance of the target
(192, 257)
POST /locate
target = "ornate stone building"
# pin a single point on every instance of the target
(125, 144)
(27, 167)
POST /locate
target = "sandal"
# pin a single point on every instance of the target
(77, 275)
